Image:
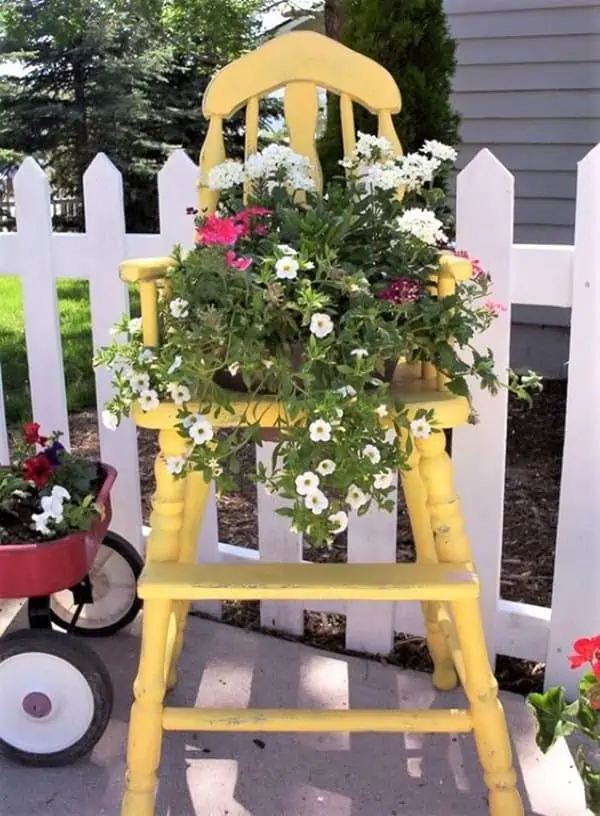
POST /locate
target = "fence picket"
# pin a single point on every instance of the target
(484, 226)
(577, 562)
(4, 450)
(35, 265)
(105, 233)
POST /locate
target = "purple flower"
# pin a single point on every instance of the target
(53, 452)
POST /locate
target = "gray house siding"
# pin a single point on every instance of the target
(528, 87)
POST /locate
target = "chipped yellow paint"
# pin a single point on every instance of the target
(442, 579)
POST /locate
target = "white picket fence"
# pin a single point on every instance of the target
(567, 276)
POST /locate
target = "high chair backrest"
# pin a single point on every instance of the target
(301, 63)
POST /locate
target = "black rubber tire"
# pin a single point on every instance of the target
(135, 562)
(83, 658)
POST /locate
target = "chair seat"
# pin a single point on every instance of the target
(418, 394)
(384, 582)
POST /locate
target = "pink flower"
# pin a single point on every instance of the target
(495, 309)
(401, 290)
(245, 220)
(215, 230)
(234, 262)
(478, 269)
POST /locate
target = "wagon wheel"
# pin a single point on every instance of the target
(56, 699)
(113, 579)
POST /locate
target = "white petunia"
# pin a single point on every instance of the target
(319, 431)
(308, 265)
(148, 400)
(339, 521)
(191, 420)
(306, 483)
(60, 494)
(110, 420)
(355, 497)
(321, 324)
(381, 411)
(287, 268)
(175, 364)
(420, 428)
(316, 501)
(423, 224)
(52, 507)
(179, 393)
(326, 467)
(179, 308)
(371, 453)
(145, 356)
(225, 175)
(346, 391)
(359, 352)
(439, 150)
(201, 431)
(268, 364)
(139, 382)
(383, 480)
(233, 368)
(135, 325)
(40, 521)
(285, 249)
(175, 464)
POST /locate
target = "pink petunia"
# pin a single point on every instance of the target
(235, 262)
(245, 220)
(494, 308)
(215, 230)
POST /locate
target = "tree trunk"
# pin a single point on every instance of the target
(333, 18)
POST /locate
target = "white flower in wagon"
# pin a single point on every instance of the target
(139, 382)
(175, 464)
(227, 174)
(179, 308)
(326, 467)
(316, 501)
(148, 400)
(371, 453)
(355, 497)
(201, 431)
(346, 391)
(383, 480)
(420, 428)
(145, 356)
(359, 353)
(423, 224)
(286, 268)
(285, 249)
(306, 483)
(439, 150)
(339, 521)
(382, 411)
(175, 364)
(321, 324)
(110, 420)
(319, 431)
(179, 393)
(135, 325)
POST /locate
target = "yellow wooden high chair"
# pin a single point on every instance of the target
(442, 578)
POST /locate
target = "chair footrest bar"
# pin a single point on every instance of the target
(282, 582)
(426, 721)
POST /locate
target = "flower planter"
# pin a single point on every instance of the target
(45, 567)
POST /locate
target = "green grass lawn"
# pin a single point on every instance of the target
(76, 343)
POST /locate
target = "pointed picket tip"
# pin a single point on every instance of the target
(101, 167)
(30, 173)
(485, 162)
(590, 160)
(178, 161)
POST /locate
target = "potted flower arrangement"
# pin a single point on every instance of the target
(556, 717)
(54, 512)
(312, 299)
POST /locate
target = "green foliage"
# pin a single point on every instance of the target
(411, 39)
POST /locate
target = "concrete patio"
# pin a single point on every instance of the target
(290, 775)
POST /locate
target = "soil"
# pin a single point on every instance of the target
(534, 458)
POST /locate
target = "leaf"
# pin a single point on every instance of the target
(591, 782)
(550, 709)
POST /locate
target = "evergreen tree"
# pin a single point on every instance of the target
(411, 39)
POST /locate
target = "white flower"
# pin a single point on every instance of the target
(268, 364)
(215, 468)
(439, 150)
(175, 364)
(233, 368)
(385, 176)
(381, 411)
(339, 521)
(52, 507)
(191, 420)
(135, 325)
(373, 147)
(179, 307)
(355, 497)
(383, 480)
(319, 431)
(370, 452)
(110, 420)
(326, 467)
(306, 482)
(359, 352)
(423, 224)
(279, 164)
(287, 267)
(60, 494)
(228, 174)
(148, 400)
(145, 356)
(346, 391)
(40, 521)
(420, 428)
(286, 250)
(308, 265)
(139, 382)
(201, 431)
(175, 464)
(418, 170)
(321, 324)
(316, 501)
(179, 393)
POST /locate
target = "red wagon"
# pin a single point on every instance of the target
(55, 692)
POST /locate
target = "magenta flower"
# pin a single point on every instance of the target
(235, 262)
(401, 290)
(215, 230)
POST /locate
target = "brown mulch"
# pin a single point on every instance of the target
(534, 454)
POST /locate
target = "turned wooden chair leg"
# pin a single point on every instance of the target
(145, 724)
(444, 673)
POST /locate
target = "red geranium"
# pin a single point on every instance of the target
(31, 434)
(215, 230)
(37, 469)
(587, 650)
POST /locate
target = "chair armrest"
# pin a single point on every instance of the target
(144, 269)
(454, 266)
